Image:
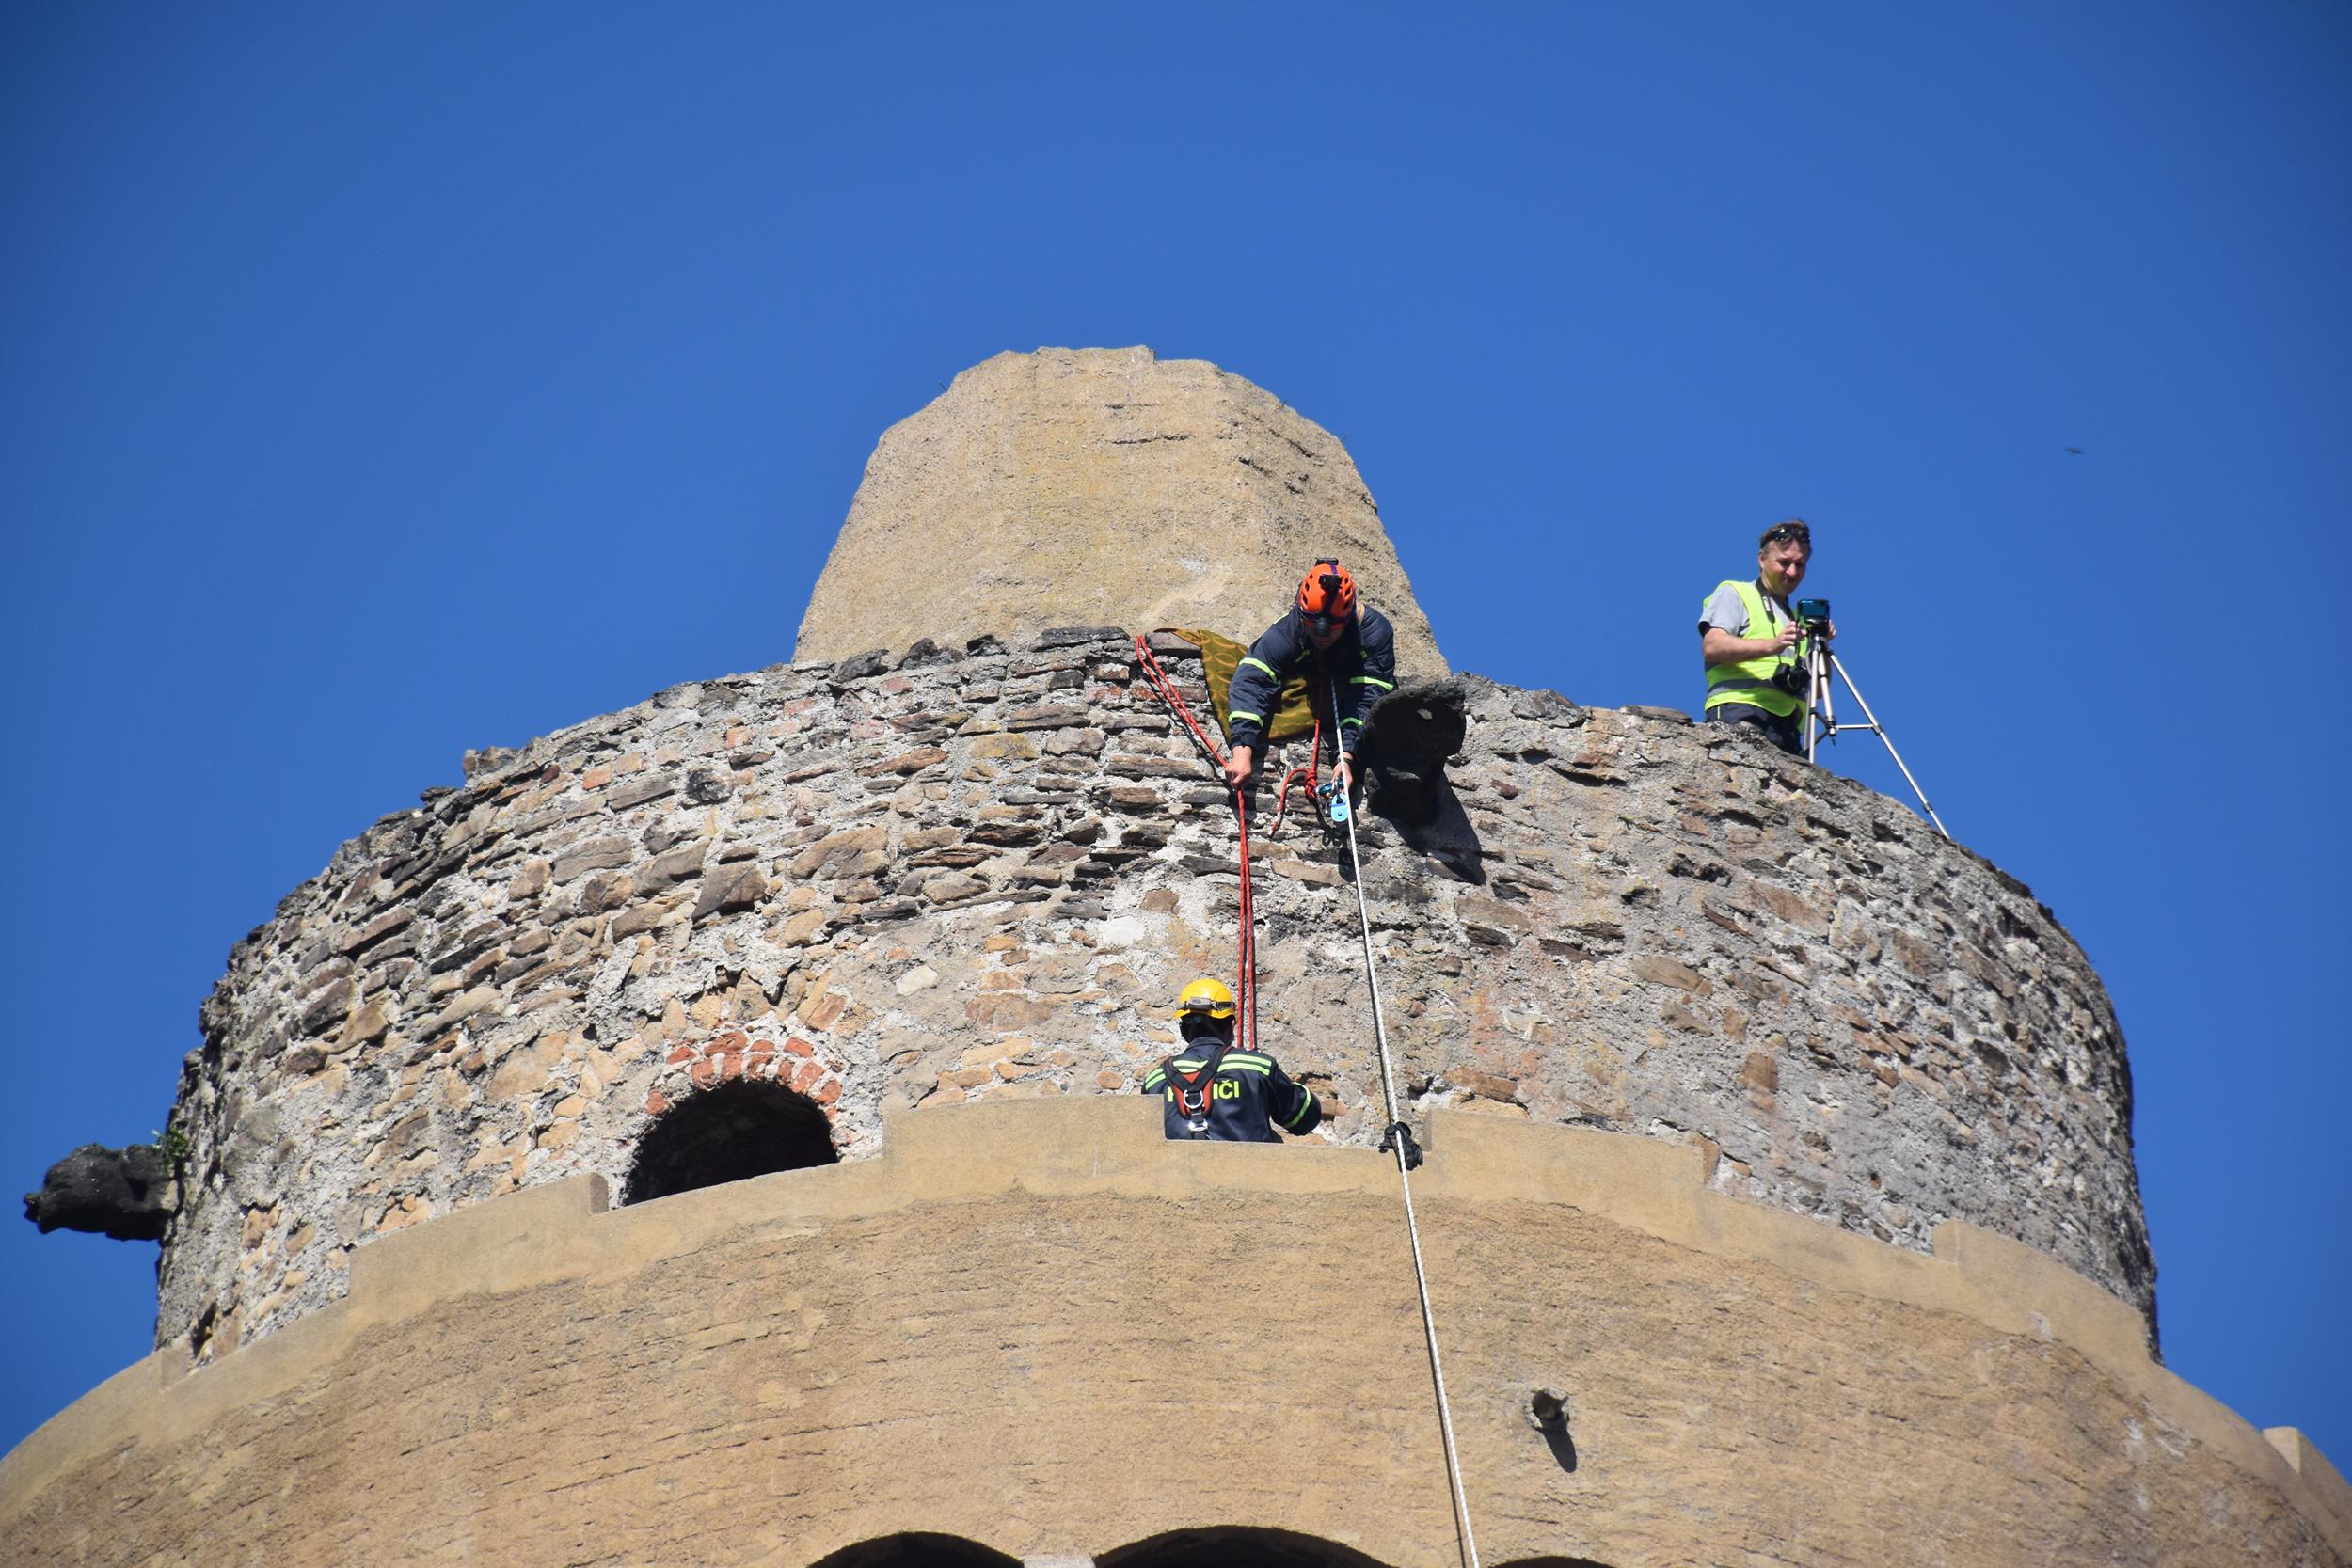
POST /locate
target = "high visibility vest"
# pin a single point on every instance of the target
(1750, 680)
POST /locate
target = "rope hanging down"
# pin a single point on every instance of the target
(1246, 989)
(1399, 1140)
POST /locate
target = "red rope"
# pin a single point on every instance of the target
(1245, 994)
(1315, 780)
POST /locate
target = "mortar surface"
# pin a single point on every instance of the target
(1018, 1323)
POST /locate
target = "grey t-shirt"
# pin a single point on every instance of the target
(1725, 609)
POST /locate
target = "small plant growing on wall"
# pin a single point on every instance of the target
(173, 1143)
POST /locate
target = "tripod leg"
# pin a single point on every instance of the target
(1880, 730)
(1821, 721)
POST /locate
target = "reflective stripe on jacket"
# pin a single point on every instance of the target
(1363, 662)
(1248, 1095)
(1750, 680)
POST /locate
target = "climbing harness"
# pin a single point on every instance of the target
(1398, 1140)
(1192, 1089)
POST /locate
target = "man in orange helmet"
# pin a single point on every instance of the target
(1332, 639)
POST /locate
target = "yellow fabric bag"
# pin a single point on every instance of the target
(1295, 706)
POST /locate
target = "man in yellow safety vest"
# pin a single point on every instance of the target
(1753, 645)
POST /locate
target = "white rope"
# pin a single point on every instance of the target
(1404, 1173)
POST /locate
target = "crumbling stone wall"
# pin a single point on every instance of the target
(986, 875)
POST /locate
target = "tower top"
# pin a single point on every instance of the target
(1098, 487)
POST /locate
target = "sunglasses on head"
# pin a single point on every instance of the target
(1787, 531)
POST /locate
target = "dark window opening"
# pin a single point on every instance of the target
(729, 1133)
(917, 1551)
(1233, 1547)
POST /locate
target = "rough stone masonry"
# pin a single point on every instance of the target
(898, 881)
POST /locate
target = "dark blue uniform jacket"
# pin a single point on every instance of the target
(1247, 1096)
(1362, 661)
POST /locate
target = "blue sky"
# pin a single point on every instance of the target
(385, 381)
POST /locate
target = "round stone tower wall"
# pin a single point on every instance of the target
(984, 877)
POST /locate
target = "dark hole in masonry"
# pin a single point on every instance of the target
(917, 1550)
(1547, 1413)
(729, 1132)
(1234, 1546)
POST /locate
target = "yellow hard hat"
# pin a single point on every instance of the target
(1205, 995)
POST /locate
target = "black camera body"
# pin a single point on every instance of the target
(1795, 679)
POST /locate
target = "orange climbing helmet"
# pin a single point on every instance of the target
(1326, 592)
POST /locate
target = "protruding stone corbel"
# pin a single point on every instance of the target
(128, 1193)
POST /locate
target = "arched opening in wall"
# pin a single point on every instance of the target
(729, 1132)
(1236, 1547)
(916, 1550)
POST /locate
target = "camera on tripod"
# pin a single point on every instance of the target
(1797, 680)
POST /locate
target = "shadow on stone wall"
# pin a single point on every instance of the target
(1234, 1547)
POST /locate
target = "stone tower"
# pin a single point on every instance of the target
(710, 1134)
(1087, 488)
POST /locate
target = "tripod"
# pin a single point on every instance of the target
(1820, 716)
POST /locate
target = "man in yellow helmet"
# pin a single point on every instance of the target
(1753, 646)
(1213, 1090)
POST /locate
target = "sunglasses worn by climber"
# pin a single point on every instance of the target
(1780, 533)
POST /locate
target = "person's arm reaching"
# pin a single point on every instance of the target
(1295, 1109)
(1257, 682)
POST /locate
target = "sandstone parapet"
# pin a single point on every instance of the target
(971, 1337)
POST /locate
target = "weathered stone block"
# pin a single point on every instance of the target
(595, 854)
(673, 866)
(730, 888)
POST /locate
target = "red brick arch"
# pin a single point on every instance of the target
(793, 1063)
